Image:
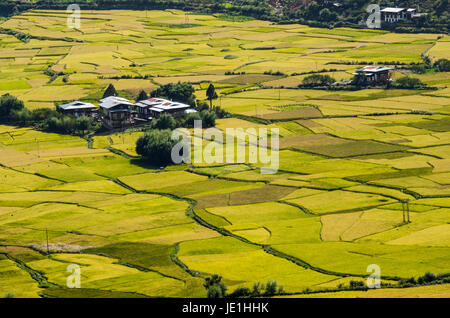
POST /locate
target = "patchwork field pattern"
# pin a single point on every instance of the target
(347, 160)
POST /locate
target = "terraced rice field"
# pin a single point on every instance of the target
(347, 159)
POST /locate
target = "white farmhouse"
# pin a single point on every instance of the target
(393, 15)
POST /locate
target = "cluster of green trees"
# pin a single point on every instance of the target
(317, 80)
(276, 73)
(350, 12)
(156, 145)
(9, 105)
(13, 111)
(323, 70)
(408, 83)
(166, 121)
(67, 124)
(440, 65)
(182, 92)
(427, 279)
(216, 288)
(234, 73)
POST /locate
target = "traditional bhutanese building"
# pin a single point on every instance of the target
(78, 109)
(393, 15)
(117, 112)
(374, 74)
(154, 107)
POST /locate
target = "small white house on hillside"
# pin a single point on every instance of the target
(393, 15)
(78, 109)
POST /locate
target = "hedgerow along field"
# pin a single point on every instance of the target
(347, 159)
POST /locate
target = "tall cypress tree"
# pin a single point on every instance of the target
(142, 96)
(110, 91)
(211, 93)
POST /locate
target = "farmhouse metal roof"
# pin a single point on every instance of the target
(77, 105)
(373, 69)
(160, 103)
(115, 98)
(150, 102)
(172, 106)
(113, 103)
(392, 10)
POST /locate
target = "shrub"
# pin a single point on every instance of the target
(215, 288)
(41, 114)
(221, 113)
(408, 282)
(442, 65)
(240, 292)
(189, 119)
(427, 278)
(208, 118)
(156, 146)
(70, 125)
(272, 288)
(318, 80)
(165, 121)
(418, 69)
(408, 82)
(257, 288)
(9, 103)
(354, 284)
(202, 106)
(277, 73)
(85, 124)
(22, 116)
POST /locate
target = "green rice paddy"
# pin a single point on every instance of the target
(347, 159)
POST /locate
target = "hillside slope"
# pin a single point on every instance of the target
(318, 13)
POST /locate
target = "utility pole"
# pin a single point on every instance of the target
(405, 210)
